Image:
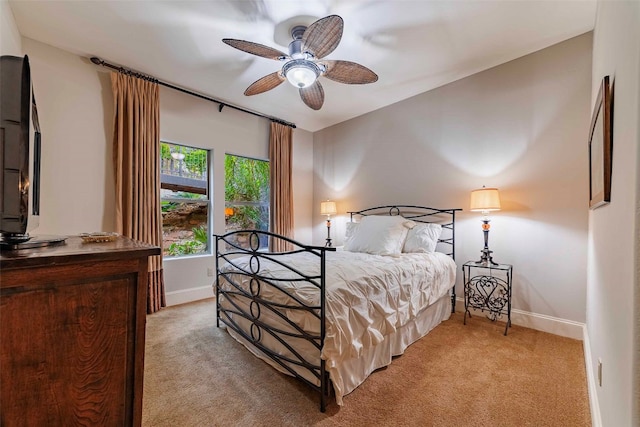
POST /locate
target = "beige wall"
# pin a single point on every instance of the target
(521, 127)
(10, 40)
(76, 112)
(612, 319)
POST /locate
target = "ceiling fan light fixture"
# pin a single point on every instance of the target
(305, 62)
(300, 72)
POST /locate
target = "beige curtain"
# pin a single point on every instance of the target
(280, 154)
(136, 156)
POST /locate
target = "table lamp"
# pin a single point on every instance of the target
(485, 200)
(328, 208)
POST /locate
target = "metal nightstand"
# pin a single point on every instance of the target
(488, 289)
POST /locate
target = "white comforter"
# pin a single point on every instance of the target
(367, 296)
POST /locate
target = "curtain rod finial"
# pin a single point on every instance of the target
(97, 60)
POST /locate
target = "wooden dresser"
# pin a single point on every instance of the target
(72, 328)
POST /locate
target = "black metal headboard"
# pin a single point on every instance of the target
(445, 217)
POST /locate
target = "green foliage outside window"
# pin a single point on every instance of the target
(246, 179)
(196, 161)
(247, 192)
(189, 247)
(165, 151)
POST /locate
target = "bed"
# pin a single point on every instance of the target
(331, 317)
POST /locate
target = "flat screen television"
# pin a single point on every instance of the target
(20, 151)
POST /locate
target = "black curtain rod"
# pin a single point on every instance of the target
(221, 104)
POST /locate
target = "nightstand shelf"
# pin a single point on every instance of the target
(488, 288)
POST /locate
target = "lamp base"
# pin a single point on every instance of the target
(486, 259)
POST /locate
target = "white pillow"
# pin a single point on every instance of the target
(379, 235)
(422, 238)
(350, 231)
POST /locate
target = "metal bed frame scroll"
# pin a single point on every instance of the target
(228, 310)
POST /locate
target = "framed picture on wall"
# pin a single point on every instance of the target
(600, 147)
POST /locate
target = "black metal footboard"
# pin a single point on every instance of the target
(254, 303)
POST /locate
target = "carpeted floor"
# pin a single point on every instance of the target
(197, 375)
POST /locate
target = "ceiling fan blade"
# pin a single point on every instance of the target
(256, 49)
(313, 95)
(264, 84)
(323, 36)
(349, 72)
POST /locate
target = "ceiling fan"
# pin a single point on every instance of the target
(304, 63)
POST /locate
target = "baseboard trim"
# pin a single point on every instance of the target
(592, 384)
(188, 295)
(539, 322)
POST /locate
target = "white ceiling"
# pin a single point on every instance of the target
(413, 45)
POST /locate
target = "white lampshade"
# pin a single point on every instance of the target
(328, 208)
(485, 199)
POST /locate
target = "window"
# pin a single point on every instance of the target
(246, 196)
(184, 197)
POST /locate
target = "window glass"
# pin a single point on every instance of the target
(184, 196)
(246, 197)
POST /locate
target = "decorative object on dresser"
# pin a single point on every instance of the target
(488, 290)
(99, 237)
(293, 309)
(485, 200)
(600, 148)
(328, 208)
(72, 319)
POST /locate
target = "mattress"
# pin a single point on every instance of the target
(376, 306)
